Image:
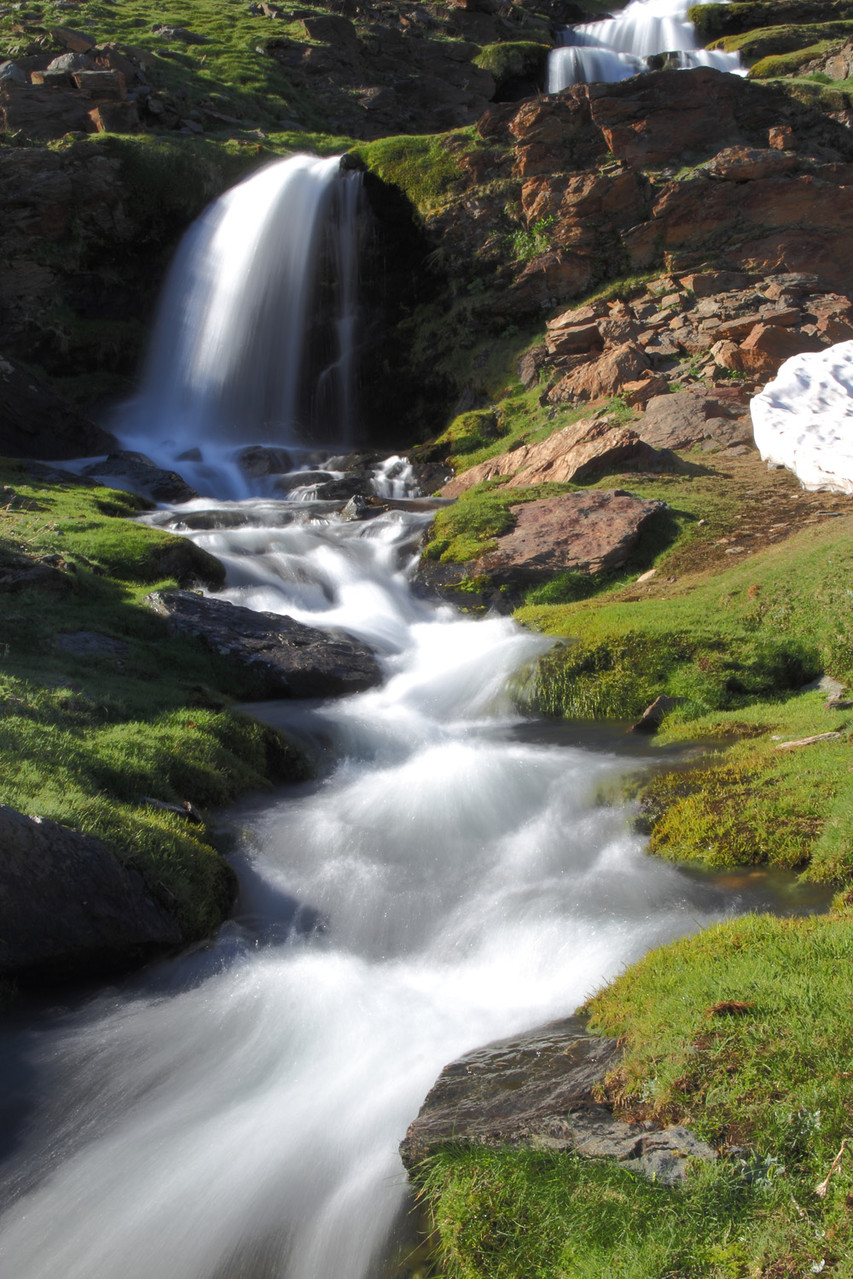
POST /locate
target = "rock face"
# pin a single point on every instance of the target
(37, 422)
(577, 532)
(286, 658)
(67, 905)
(536, 1090)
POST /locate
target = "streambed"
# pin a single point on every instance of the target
(450, 878)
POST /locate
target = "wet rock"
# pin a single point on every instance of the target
(69, 907)
(536, 1090)
(652, 717)
(577, 532)
(136, 473)
(286, 658)
(37, 422)
(260, 460)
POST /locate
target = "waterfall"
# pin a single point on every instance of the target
(255, 339)
(614, 48)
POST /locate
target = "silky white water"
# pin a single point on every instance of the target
(453, 877)
(617, 47)
(244, 350)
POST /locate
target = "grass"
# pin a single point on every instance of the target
(86, 740)
(767, 42)
(743, 1033)
(425, 167)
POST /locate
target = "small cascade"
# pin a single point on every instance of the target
(614, 48)
(255, 340)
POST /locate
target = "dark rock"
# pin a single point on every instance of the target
(93, 644)
(578, 532)
(188, 564)
(652, 717)
(536, 1090)
(76, 41)
(286, 658)
(136, 473)
(41, 113)
(67, 905)
(262, 460)
(12, 72)
(178, 33)
(37, 422)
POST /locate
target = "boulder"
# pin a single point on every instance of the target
(136, 473)
(573, 455)
(681, 419)
(285, 658)
(600, 378)
(537, 1090)
(41, 113)
(69, 908)
(578, 532)
(37, 422)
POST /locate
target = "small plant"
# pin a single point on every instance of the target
(529, 242)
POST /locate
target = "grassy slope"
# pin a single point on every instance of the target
(85, 741)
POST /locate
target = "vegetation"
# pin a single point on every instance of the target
(88, 743)
(741, 1032)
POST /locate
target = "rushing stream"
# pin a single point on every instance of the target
(448, 881)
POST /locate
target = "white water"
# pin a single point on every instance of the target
(227, 365)
(803, 419)
(614, 48)
(236, 1113)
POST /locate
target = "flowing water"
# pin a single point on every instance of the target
(455, 874)
(449, 880)
(617, 47)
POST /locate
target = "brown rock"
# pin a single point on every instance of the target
(706, 284)
(769, 345)
(746, 164)
(580, 532)
(574, 339)
(680, 420)
(115, 117)
(76, 41)
(42, 113)
(603, 377)
(781, 137)
(550, 278)
(101, 84)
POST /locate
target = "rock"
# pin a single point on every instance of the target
(76, 41)
(260, 460)
(69, 907)
(286, 658)
(93, 644)
(578, 532)
(551, 277)
(136, 473)
(536, 1090)
(599, 379)
(115, 117)
(70, 62)
(330, 29)
(37, 422)
(109, 85)
(706, 284)
(41, 113)
(681, 419)
(12, 72)
(745, 164)
(178, 33)
(190, 565)
(574, 339)
(573, 455)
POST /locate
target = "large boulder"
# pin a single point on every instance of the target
(575, 532)
(285, 658)
(68, 907)
(536, 1090)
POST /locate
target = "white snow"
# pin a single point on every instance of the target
(804, 418)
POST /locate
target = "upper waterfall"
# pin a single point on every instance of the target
(614, 48)
(254, 343)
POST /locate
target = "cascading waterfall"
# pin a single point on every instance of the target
(255, 339)
(613, 49)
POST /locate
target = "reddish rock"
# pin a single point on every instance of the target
(576, 200)
(76, 41)
(768, 346)
(781, 137)
(550, 278)
(680, 420)
(115, 117)
(574, 339)
(706, 284)
(637, 394)
(601, 378)
(745, 164)
(579, 532)
(109, 85)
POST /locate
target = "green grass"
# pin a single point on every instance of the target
(425, 167)
(767, 42)
(742, 1032)
(86, 740)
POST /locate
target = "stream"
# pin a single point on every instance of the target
(456, 873)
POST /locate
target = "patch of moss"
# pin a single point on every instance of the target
(426, 167)
(753, 46)
(513, 60)
(87, 741)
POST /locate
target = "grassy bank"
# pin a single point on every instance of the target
(102, 709)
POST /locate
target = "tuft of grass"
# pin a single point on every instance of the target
(424, 166)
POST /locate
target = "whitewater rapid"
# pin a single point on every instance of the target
(452, 876)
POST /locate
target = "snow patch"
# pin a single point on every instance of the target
(803, 419)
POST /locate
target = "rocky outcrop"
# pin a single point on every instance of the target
(68, 907)
(576, 454)
(37, 422)
(575, 532)
(537, 1090)
(284, 658)
(136, 473)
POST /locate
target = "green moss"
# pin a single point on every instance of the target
(425, 167)
(88, 741)
(511, 61)
(789, 63)
(753, 46)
